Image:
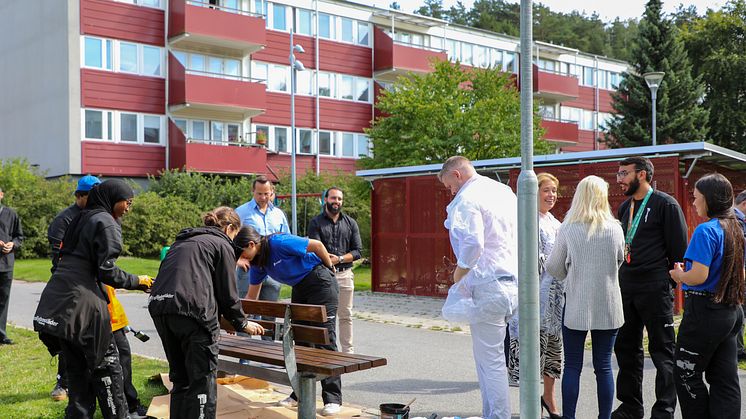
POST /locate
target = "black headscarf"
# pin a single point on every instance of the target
(101, 198)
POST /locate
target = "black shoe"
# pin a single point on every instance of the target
(6, 341)
(742, 357)
(546, 407)
(621, 414)
(140, 412)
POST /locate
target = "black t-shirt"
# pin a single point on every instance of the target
(659, 242)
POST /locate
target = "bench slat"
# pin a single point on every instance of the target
(301, 333)
(276, 359)
(301, 312)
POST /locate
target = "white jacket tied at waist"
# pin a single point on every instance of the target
(481, 223)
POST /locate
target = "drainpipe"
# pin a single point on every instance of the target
(595, 105)
(316, 93)
(167, 49)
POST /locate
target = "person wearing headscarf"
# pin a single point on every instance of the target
(72, 316)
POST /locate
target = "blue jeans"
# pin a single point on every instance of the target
(574, 346)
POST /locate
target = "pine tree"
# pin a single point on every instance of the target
(680, 116)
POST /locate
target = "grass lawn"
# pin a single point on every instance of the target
(28, 375)
(362, 281)
(37, 270)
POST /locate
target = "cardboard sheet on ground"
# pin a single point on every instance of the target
(242, 397)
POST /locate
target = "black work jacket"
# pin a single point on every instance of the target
(73, 305)
(197, 279)
(10, 230)
(56, 231)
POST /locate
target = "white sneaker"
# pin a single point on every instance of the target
(330, 409)
(288, 402)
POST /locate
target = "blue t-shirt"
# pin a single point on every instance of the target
(706, 247)
(288, 261)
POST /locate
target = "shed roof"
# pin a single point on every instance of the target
(720, 156)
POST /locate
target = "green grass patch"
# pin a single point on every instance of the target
(37, 270)
(362, 281)
(28, 376)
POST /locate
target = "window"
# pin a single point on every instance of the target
(614, 80)
(467, 54)
(231, 5)
(152, 131)
(234, 133)
(128, 127)
(182, 57)
(199, 130)
(197, 62)
(279, 17)
(94, 125)
(362, 145)
(214, 65)
(588, 76)
(325, 143)
(151, 61)
(127, 57)
(326, 26)
(305, 141)
(453, 49)
(587, 122)
(281, 140)
(483, 57)
(547, 112)
(232, 68)
(417, 39)
(363, 31)
(362, 90)
(304, 82)
(570, 114)
(496, 58)
(603, 79)
(217, 129)
(348, 145)
(94, 52)
(547, 65)
(150, 3)
(436, 43)
(261, 131)
(347, 35)
(509, 62)
(305, 19)
(403, 37)
(182, 124)
(346, 87)
(279, 78)
(259, 71)
(326, 84)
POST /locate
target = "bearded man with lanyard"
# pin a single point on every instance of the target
(655, 238)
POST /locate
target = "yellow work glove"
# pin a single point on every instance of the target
(144, 283)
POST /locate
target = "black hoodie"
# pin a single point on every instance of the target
(197, 279)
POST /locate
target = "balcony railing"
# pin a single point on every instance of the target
(420, 46)
(224, 76)
(239, 143)
(223, 8)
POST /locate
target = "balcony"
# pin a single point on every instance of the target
(560, 131)
(557, 87)
(394, 59)
(206, 157)
(193, 94)
(215, 29)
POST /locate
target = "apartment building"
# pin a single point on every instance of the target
(130, 87)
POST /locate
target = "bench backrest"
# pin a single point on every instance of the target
(302, 332)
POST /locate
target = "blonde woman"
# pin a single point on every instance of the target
(586, 256)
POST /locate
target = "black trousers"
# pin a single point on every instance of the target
(707, 344)
(192, 355)
(320, 287)
(6, 280)
(61, 370)
(85, 386)
(739, 337)
(650, 308)
(125, 360)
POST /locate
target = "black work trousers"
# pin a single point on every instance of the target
(192, 355)
(739, 337)
(125, 360)
(707, 344)
(6, 280)
(649, 307)
(320, 287)
(85, 386)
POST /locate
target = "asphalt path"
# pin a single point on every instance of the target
(435, 367)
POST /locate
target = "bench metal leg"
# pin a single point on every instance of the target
(307, 397)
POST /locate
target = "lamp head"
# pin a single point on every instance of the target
(298, 66)
(299, 49)
(653, 79)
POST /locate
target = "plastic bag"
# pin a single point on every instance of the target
(459, 305)
(474, 300)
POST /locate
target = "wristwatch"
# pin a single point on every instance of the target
(341, 258)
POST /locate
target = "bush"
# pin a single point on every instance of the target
(204, 190)
(154, 221)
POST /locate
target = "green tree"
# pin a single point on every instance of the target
(457, 14)
(474, 113)
(432, 8)
(680, 117)
(717, 48)
(620, 34)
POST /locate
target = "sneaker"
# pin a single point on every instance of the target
(288, 402)
(330, 409)
(59, 393)
(140, 412)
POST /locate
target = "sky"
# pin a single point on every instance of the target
(607, 9)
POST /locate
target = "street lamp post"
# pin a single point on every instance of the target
(295, 65)
(653, 79)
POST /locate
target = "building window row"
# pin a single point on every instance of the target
(213, 65)
(586, 119)
(158, 4)
(477, 55)
(122, 56)
(331, 85)
(328, 143)
(211, 132)
(123, 127)
(337, 28)
(586, 75)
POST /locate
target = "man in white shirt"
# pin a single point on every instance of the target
(481, 225)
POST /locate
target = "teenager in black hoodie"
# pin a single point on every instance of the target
(196, 284)
(72, 315)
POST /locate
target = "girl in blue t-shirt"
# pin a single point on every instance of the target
(303, 264)
(713, 283)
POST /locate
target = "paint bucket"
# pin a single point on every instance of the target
(394, 411)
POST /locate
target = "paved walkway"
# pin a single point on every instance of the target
(405, 310)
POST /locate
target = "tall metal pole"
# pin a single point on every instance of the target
(528, 236)
(654, 92)
(293, 203)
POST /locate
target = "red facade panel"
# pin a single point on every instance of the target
(555, 84)
(111, 19)
(390, 55)
(337, 115)
(560, 130)
(109, 159)
(587, 99)
(108, 90)
(335, 57)
(585, 142)
(176, 146)
(236, 30)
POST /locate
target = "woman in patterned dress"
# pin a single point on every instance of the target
(551, 298)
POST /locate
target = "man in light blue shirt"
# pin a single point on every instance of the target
(266, 219)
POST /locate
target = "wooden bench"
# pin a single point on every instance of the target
(303, 365)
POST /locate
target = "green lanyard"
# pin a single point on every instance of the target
(632, 228)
